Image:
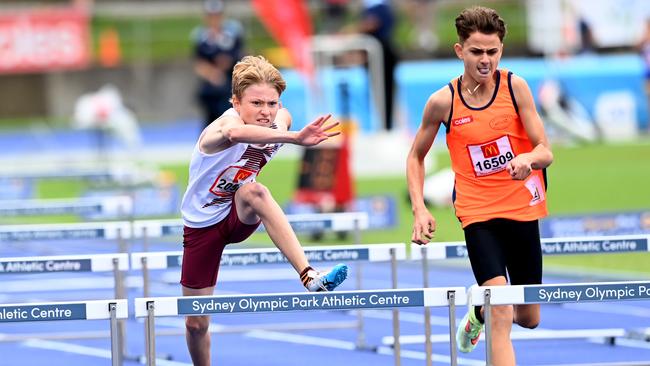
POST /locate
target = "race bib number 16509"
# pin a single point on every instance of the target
(491, 157)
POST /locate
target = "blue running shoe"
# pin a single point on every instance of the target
(327, 281)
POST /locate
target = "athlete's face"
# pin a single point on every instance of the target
(258, 105)
(480, 54)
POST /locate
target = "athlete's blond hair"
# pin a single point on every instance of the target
(255, 70)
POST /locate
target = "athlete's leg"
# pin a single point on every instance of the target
(487, 253)
(502, 351)
(525, 267)
(254, 203)
(202, 249)
(197, 334)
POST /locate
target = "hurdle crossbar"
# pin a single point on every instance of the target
(146, 261)
(64, 263)
(489, 296)
(113, 206)
(152, 307)
(59, 311)
(259, 256)
(336, 221)
(84, 230)
(550, 246)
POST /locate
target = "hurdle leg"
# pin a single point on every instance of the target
(396, 344)
(361, 336)
(120, 294)
(145, 277)
(487, 316)
(150, 336)
(453, 353)
(116, 352)
(427, 311)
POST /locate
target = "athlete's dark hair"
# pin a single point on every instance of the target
(479, 19)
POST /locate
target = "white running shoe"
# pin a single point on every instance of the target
(469, 330)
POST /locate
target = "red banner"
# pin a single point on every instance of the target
(290, 24)
(44, 40)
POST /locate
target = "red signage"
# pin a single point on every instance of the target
(44, 40)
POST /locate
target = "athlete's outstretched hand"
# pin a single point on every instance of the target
(424, 227)
(317, 132)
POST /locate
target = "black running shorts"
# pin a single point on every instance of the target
(502, 247)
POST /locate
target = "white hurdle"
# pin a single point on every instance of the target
(116, 262)
(150, 308)
(83, 310)
(488, 296)
(391, 252)
(337, 221)
(115, 206)
(550, 246)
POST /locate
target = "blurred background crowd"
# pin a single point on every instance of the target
(55, 51)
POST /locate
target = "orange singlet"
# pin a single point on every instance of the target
(481, 142)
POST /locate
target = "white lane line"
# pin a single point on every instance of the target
(404, 316)
(63, 284)
(417, 355)
(350, 346)
(611, 308)
(301, 339)
(86, 351)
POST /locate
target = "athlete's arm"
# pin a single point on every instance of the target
(541, 156)
(229, 130)
(435, 111)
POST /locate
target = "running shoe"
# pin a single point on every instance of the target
(326, 281)
(469, 330)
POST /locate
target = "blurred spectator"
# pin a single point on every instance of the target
(218, 46)
(335, 13)
(587, 41)
(421, 15)
(378, 20)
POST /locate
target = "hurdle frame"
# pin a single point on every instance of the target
(488, 296)
(87, 263)
(603, 244)
(114, 310)
(150, 308)
(359, 254)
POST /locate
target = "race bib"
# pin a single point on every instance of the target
(231, 179)
(536, 190)
(491, 157)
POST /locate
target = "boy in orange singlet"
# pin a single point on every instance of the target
(498, 151)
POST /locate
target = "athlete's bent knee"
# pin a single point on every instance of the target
(252, 191)
(530, 322)
(197, 325)
(502, 314)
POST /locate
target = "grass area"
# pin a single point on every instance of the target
(582, 180)
(587, 179)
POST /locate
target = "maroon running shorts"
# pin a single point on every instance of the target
(202, 249)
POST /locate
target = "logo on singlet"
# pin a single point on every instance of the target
(241, 175)
(490, 150)
(462, 120)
